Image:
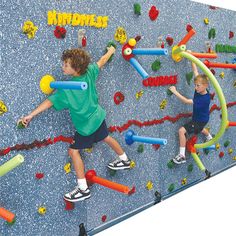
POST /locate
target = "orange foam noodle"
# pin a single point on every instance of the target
(112, 185)
(6, 215)
(204, 55)
(187, 37)
(232, 123)
(219, 65)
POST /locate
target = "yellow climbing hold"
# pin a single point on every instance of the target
(88, 150)
(29, 29)
(217, 146)
(206, 21)
(132, 42)
(132, 164)
(3, 107)
(230, 151)
(149, 185)
(184, 181)
(120, 35)
(139, 94)
(163, 104)
(42, 210)
(45, 84)
(67, 168)
(222, 75)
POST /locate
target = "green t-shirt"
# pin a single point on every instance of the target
(86, 114)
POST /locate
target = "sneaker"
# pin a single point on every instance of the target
(179, 159)
(208, 139)
(77, 195)
(118, 164)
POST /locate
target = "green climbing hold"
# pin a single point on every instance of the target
(170, 164)
(171, 187)
(112, 172)
(206, 151)
(12, 223)
(189, 77)
(111, 43)
(190, 168)
(140, 148)
(169, 92)
(156, 65)
(212, 33)
(137, 9)
(20, 125)
(226, 143)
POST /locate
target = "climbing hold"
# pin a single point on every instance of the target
(88, 150)
(156, 146)
(221, 154)
(140, 148)
(212, 33)
(139, 94)
(104, 218)
(82, 40)
(170, 164)
(231, 34)
(171, 187)
(163, 104)
(169, 40)
(206, 151)
(12, 222)
(132, 42)
(226, 143)
(118, 97)
(190, 168)
(3, 107)
(156, 65)
(149, 185)
(42, 210)
(169, 92)
(189, 27)
(112, 172)
(230, 150)
(132, 164)
(206, 21)
(235, 83)
(120, 35)
(217, 146)
(189, 77)
(160, 42)
(20, 124)
(137, 9)
(29, 29)
(212, 95)
(60, 32)
(45, 84)
(234, 158)
(39, 175)
(111, 43)
(222, 75)
(67, 167)
(184, 181)
(69, 205)
(153, 13)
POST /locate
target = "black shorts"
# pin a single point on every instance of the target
(82, 142)
(194, 127)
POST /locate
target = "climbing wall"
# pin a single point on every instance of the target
(31, 47)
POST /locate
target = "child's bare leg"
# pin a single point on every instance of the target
(182, 138)
(205, 132)
(114, 145)
(77, 162)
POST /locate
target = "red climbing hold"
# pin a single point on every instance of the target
(118, 98)
(153, 13)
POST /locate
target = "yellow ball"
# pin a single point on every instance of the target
(45, 84)
(132, 42)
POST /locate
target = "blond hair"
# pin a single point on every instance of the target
(202, 79)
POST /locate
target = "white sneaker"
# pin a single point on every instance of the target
(77, 195)
(179, 159)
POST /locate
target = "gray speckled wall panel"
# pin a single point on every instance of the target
(25, 61)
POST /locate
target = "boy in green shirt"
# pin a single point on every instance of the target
(87, 115)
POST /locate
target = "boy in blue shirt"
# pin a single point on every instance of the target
(87, 115)
(200, 116)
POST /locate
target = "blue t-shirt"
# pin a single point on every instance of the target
(201, 105)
